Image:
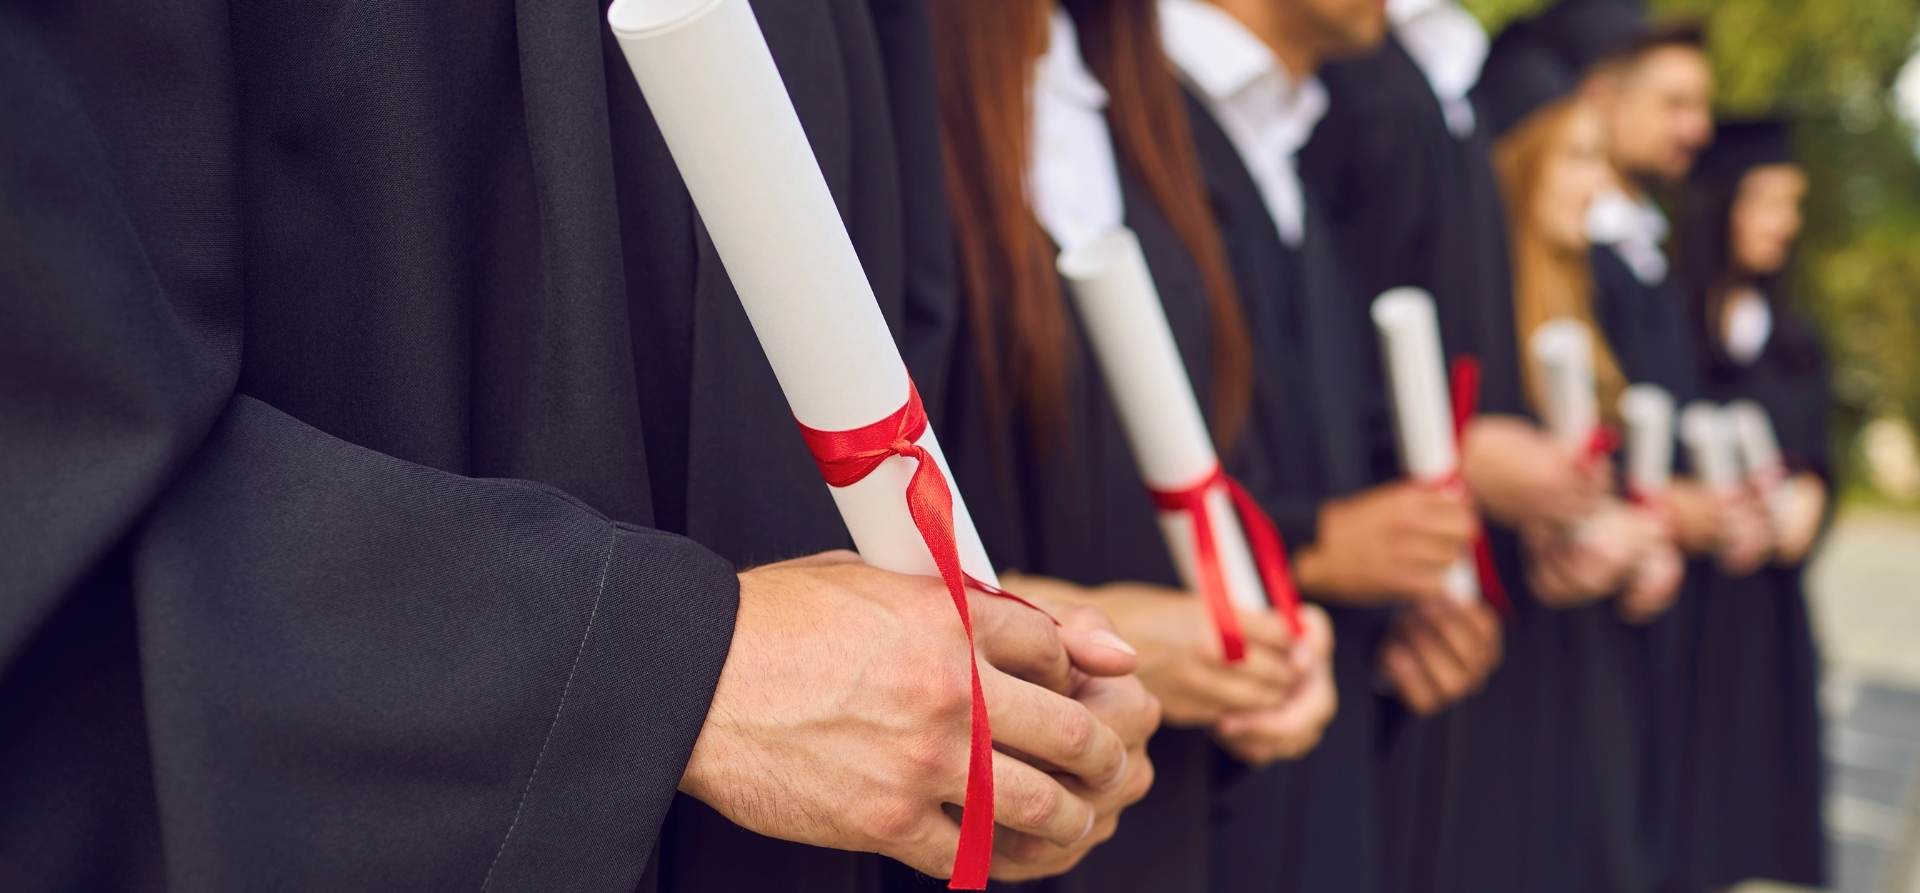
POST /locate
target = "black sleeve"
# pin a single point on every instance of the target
(351, 672)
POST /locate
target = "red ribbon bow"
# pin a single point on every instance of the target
(846, 458)
(1269, 553)
(1466, 401)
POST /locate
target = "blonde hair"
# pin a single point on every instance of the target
(1549, 281)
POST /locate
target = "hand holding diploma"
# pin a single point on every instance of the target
(711, 84)
(1742, 535)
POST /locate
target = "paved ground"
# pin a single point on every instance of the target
(1866, 593)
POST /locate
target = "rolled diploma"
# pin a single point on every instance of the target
(710, 81)
(1562, 353)
(1760, 452)
(1708, 434)
(1647, 411)
(1120, 307)
(1422, 409)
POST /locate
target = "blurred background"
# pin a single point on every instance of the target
(1851, 69)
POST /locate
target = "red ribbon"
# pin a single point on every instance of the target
(1466, 402)
(1600, 444)
(847, 457)
(1269, 553)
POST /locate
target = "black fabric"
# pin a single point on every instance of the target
(1522, 74)
(295, 289)
(1314, 824)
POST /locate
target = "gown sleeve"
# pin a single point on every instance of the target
(352, 671)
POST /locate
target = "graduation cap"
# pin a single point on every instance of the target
(1523, 73)
(1742, 144)
(1588, 33)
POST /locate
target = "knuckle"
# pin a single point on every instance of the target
(929, 754)
(1036, 806)
(1078, 731)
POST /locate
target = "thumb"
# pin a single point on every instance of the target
(1092, 644)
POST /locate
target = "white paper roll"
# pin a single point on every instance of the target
(1759, 449)
(710, 81)
(1710, 439)
(1120, 307)
(1409, 332)
(1647, 411)
(1561, 351)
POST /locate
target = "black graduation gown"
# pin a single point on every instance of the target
(1314, 824)
(1752, 801)
(304, 288)
(1410, 203)
(1646, 326)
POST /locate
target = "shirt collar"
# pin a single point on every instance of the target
(1061, 71)
(1450, 47)
(1216, 53)
(1633, 229)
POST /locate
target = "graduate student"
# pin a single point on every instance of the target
(1366, 540)
(1056, 119)
(387, 460)
(1550, 88)
(1752, 798)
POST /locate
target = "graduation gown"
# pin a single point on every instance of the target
(367, 365)
(1751, 805)
(1314, 824)
(1410, 203)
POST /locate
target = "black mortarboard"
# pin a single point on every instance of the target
(1522, 74)
(1742, 144)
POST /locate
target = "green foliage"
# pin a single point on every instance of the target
(1835, 63)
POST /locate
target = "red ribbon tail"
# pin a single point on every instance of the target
(1491, 588)
(1213, 582)
(1270, 553)
(931, 505)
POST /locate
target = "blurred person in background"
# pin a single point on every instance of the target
(1062, 123)
(1753, 796)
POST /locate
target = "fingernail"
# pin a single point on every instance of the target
(1108, 639)
(1085, 831)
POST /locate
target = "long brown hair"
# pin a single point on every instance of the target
(1549, 281)
(986, 56)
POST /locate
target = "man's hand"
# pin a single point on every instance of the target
(1439, 652)
(1287, 732)
(841, 716)
(1522, 475)
(1393, 542)
(1181, 661)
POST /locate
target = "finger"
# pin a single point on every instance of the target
(820, 559)
(1093, 646)
(1053, 730)
(1268, 666)
(1021, 642)
(1124, 705)
(1408, 679)
(929, 848)
(1465, 638)
(1266, 627)
(1028, 800)
(1450, 675)
(1315, 649)
(1229, 689)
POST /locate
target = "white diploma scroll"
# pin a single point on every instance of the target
(1647, 412)
(1120, 307)
(1409, 333)
(710, 81)
(1759, 448)
(1708, 433)
(1561, 352)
